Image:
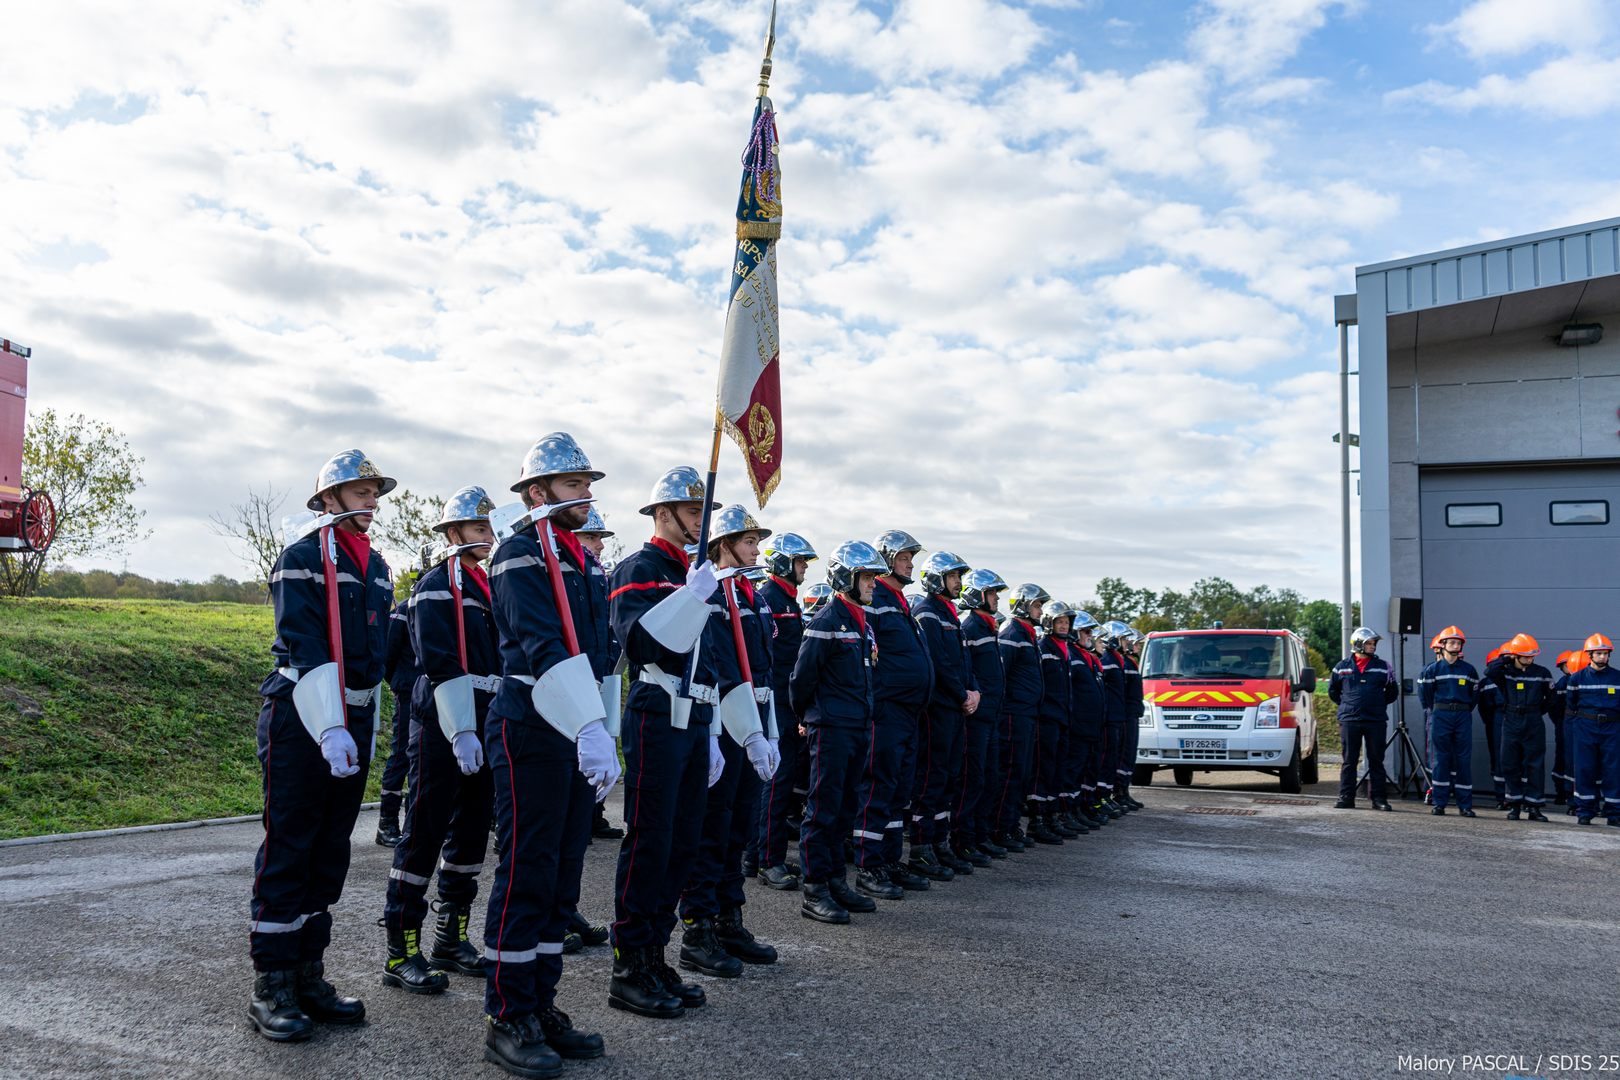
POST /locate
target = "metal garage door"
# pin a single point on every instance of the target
(1496, 563)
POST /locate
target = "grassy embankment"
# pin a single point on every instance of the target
(130, 712)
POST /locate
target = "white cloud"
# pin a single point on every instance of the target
(1488, 28)
(970, 39)
(1245, 39)
(1568, 86)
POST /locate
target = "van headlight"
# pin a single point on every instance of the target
(1269, 714)
(1146, 719)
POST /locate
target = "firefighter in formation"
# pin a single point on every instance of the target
(916, 738)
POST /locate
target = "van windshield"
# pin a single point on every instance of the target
(1232, 656)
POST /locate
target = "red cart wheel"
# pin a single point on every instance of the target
(38, 521)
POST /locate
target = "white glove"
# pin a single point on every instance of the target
(701, 580)
(598, 759)
(337, 747)
(761, 755)
(717, 761)
(469, 752)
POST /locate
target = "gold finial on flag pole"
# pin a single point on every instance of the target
(770, 43)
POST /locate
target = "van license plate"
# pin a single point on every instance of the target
(1203, 744)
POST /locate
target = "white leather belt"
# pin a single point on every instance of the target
(671, 685)
(358, 698)
(762, 694)
(489, 684)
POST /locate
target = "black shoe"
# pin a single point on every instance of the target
(1583, 819)
(947, 857)
(750, 864)
(1570, 810)
(1016, 833)
(588, 934)
(407, 968)
(1501, 803)
(562, 1036)
(820, 906)
(572, 943)
(702, 952)
(690, 995)
(848, 898)
(1096, 813)
(972, 854)
(388, 831)
(1072, 820)
(737, 940)
(601, 830)
(904, 878)
(637, 988)
(1131, 803)
(1382, 806)
(451, 949)
(1089, 819)
(274, 1007)
(1466, 813)
(519, 1047)
(777, 877)
(1534, 814)
(1113, 808)
(1039, 833)
(1062, 828)
(1345, 804)
(1438, 811)
(1513, 814)
(992, 849)
(874, 882)
(1009, 843)
(924, 862)
(320, 1000)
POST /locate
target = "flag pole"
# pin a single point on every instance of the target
(714, 449)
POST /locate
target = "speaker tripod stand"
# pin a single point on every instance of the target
(1411, 771)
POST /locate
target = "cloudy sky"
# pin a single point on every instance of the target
(1057, 275)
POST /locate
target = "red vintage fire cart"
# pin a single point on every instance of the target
(27, 518)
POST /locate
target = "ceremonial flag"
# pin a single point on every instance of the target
(750, 394)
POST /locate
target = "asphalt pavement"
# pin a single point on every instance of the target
(1216, 934)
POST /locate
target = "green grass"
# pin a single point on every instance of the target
(150, 709)
(1327, 722)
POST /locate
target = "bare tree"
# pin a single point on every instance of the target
(253, 528)
(405, 522)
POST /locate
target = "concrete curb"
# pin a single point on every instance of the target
(131, 830)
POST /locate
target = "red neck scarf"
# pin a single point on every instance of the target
(786, 586)
(898, 595)
(1063, 647)
(948, 605)
(1029, 628)
(671, 550)
(855, 610)
(989, 619)
(477, 575)
(746, 586)
(1361, 661)
(570, 543)
(356, 545)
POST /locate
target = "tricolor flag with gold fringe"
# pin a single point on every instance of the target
(750, 395)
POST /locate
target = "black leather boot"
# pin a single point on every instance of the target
(925, 862)
(407, 968)
(736, 939)
(779, 878)
(1513, 814)
(451, 949)
(1132, 803)
(519, 1047)
(562, 1037)
(637, 988)
(388, 829)
(820, 906)
(904, 878)
(572, 943)
(702, 952)
(1056, 823)
(1008, 842)
(274, 1007)
(1039, 833)
(972, 854)
(320, 1000)
(1535, 814)
(601, 829)
(848, 898)
(874, 881)
(588, 934)
(948, 857)
(690, 995)
(992, 849)
(750, 864)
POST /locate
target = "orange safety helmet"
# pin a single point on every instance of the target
(1522, 645)
(1598, 643)
(1490, 657)
(1563, 658)
(1578, 660)
(1434, 642)
(1451, 632)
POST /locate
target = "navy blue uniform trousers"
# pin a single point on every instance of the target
(885, 786)
(838, 761)
(716, 880)
(540, 800)
(666, 779)
(308, 816)
(447, 819)
(396, 765)
(1018, 757)
(971, 823)
(776, 797)
(939, 752)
